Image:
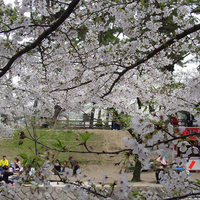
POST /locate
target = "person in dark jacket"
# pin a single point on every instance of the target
(190, 119)
(75, 166)
(57, 165)
(6, 175)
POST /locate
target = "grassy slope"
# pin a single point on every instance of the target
(101, 140)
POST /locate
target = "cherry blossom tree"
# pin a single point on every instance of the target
(111, 53)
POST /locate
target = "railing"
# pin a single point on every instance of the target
(95, 124)
(98, 123)
(183, 122)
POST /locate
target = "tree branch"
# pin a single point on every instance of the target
(183, 196)
(153, 53)
(47, 32)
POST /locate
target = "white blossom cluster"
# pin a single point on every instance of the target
(63, 53)
(6, 131)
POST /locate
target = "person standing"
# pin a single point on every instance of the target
(161, 163)
(190, 119)
(75, 166)
(116, 125)
(3, 163)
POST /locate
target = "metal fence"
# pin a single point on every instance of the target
(95, 124)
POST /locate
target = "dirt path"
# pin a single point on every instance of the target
(108, 140)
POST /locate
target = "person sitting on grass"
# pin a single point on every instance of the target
(64, 166)
(17, 164)
(57, 166)
(3, 163)
(6, 175)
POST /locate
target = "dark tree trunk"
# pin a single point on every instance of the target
(92, 117)
(137, 171)
(99, 114)
(138, 165)
(57, 110)
(139, 103)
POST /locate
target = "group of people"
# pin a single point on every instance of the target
(8, 170)
(61, 167)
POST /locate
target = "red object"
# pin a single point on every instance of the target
(175, 147)
(175, 121)
(190, 131)
(192, 164)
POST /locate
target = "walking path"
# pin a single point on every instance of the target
(147, 180)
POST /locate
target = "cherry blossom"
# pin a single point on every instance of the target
(60, 54)
(6, 130)
(68, 173)
(122, 183)
(105, 177)
(191, 150)
(183, 146)
(90, 180)
(78, 174)
(121, 193)
(175, 183)
(69, 187)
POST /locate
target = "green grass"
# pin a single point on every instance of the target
(68, 138)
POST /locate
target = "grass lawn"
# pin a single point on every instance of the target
(70, 139)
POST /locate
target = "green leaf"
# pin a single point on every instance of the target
(135, 193)
(39, 161)
(23, 156)
(197, 181)
(24, 162)
(145, 108)
(86, 136)
(59, 144)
